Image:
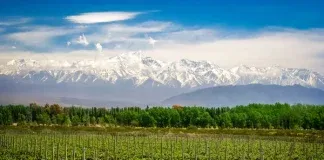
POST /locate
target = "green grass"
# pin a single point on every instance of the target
(155, 143)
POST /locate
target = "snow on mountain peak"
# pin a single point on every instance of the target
(11, 63)
(143, 70)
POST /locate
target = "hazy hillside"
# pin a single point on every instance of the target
(244, 94)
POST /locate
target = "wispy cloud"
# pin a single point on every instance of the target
(82, 40)
(184, 35)
(101, 17)
(41, 36)
(14, 21)
(129, 33)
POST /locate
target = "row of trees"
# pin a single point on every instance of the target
(280, 116)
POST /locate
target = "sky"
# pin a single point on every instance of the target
(228, 33)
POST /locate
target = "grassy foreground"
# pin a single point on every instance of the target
(58, 142)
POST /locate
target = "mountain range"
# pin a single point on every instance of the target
(133, 78)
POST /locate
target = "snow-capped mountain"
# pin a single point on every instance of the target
(130, 78)
(145, 71)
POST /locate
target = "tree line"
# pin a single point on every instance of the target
(277, 116)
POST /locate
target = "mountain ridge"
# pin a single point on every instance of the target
(143, 70)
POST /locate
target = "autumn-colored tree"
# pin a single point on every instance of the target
(177, 107)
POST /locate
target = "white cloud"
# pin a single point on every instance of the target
(73, 55)
(83, 40)
(229, 48)
(99, 47)
(298, 49)
(40, 36)
(226, 48)
(123, 33)
(190, 35)
(100, 17)
(15, 21)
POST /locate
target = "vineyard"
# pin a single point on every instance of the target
(155, 146)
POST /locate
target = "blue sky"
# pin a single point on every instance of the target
(228, 33)
(247, 14)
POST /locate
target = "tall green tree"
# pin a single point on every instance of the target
(146, 120)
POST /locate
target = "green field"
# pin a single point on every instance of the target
(141, 145)
(256, 131)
